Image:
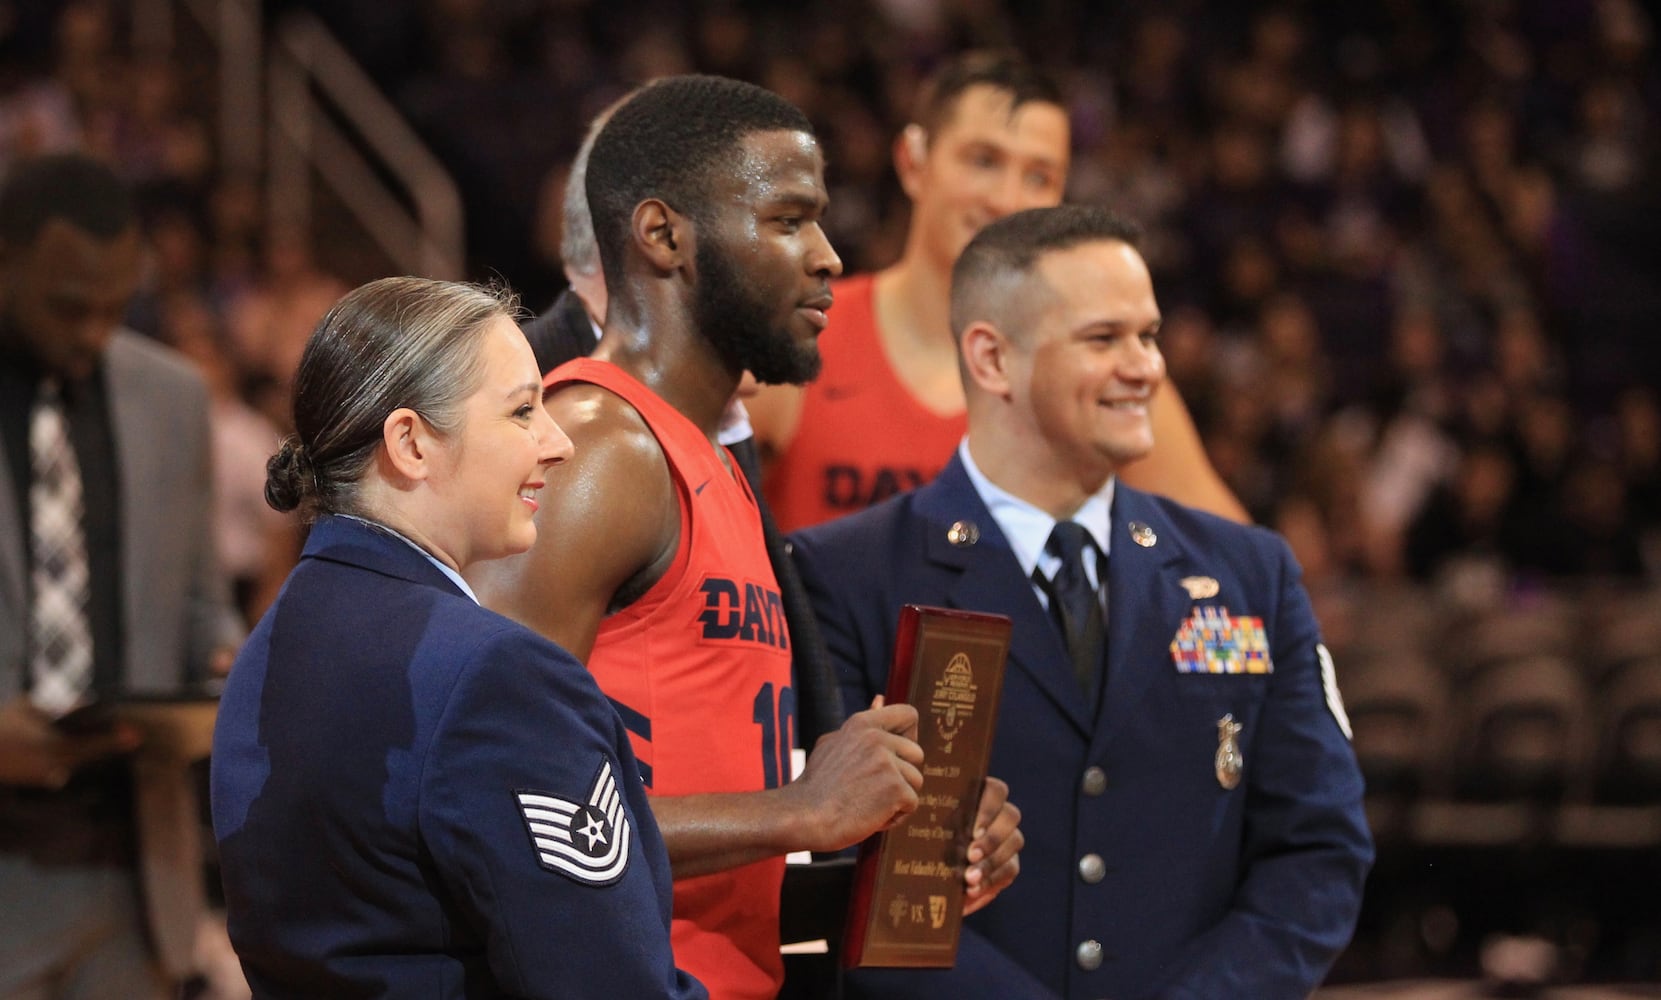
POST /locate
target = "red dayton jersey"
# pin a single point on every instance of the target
(862, 436)
(699, 668)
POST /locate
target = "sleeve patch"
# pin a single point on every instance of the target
(586, 841)
(1329, 682)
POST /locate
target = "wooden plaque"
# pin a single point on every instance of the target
(906, 909)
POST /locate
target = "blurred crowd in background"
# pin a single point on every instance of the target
(1402, 246)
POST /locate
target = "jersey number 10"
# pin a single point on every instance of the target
(777, 719)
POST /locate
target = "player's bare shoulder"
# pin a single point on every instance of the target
(610, 437)
(617, 500)
(606, 519)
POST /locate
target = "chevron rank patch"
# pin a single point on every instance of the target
(586, 841)
(1329, 684)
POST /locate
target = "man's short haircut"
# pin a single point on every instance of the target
(73, 187)
(1004, 70)
(669, 141)
(992, 273)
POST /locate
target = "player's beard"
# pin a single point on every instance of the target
(734, 318)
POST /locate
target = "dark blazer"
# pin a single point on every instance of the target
(1137, 860)
(415, 796)
(563, 332)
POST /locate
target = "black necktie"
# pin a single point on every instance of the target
(1074, 603)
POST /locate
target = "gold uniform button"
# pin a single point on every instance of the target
(1095, 781)
(1089, 955)
(1092, 869)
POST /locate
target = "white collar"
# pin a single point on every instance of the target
(1027, 528)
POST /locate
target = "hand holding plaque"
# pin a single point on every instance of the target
(907, 903)
(994, 853)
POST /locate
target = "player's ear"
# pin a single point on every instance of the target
(661, 233)
(911, 151)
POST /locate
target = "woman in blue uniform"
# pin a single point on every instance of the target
(414, 796)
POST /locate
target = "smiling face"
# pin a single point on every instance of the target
(65, 295)
(764, 263)
(493, 464)
(987, 160)
(1083, 373)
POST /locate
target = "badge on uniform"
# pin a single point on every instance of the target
(1212, 641)
(1200, 587)
(586, 841)
(1229, 761)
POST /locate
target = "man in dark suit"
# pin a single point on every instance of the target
(1180, 755)
(108, 582)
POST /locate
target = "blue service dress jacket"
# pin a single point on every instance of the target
(414, 796)
(1143, 874)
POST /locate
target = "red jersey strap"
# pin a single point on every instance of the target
(680, 437)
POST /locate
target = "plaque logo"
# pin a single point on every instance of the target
(937, 912)
(953, 703)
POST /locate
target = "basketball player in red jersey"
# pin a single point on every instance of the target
(990, 138)
(706, 196)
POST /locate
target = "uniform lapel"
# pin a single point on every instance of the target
(988, 578)
(1146, 606)
(352, 542)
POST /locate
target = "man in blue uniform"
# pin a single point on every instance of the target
(1170, 725)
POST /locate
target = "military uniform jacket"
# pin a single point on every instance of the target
(415, 796)
(1143, 874)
